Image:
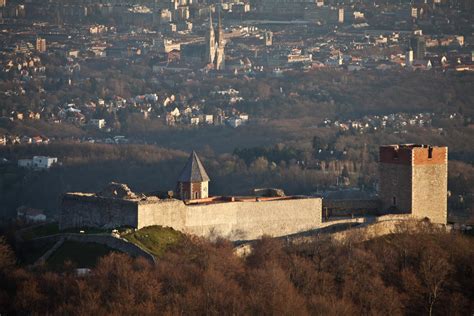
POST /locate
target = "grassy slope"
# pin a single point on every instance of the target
(155, 239)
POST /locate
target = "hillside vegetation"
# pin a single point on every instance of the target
(429, 272)
(154, 239)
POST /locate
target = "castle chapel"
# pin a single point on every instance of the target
(193, 182)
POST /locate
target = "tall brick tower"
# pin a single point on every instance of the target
(414, 179)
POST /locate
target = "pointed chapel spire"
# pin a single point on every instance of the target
(193, 171)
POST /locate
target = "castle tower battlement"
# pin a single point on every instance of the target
(414, 179)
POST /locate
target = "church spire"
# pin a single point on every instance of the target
(210, 41)
(220, 50)
(220, 32)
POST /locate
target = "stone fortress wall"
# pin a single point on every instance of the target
(350, 207)
(430, 184)
(237, 220)
(90, 210)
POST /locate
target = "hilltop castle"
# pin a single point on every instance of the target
(413, 181)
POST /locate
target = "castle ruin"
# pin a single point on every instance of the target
(413, 181)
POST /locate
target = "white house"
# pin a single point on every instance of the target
(175, 112)
(234, 122)
(244, 117)
(98, 123)
(38, 162)
(208, 119)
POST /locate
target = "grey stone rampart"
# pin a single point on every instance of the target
(395, 181)
(347, 207)
(429, 192)
(170, 212)
(93, 211)
(235, 220)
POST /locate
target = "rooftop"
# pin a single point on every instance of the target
(408, 146)
(193, 171)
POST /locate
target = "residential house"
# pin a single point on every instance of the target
(38, 162)
(235, 122)
(97, 123)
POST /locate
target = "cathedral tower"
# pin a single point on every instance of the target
(210, 42)
(220, 51)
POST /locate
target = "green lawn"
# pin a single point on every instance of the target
(155, 239)
(83, 255)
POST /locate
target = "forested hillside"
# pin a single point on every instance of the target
(427, 272)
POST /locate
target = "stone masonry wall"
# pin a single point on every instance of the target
(395, 181)
(93, 211)
(235, 220)
(170, 213)
(347, 207)
(430, 185)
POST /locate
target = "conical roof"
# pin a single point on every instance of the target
(193, 171)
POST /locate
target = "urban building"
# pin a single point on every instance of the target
(418, 45)
(409, 57)
(41, 45)
(340, 17)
